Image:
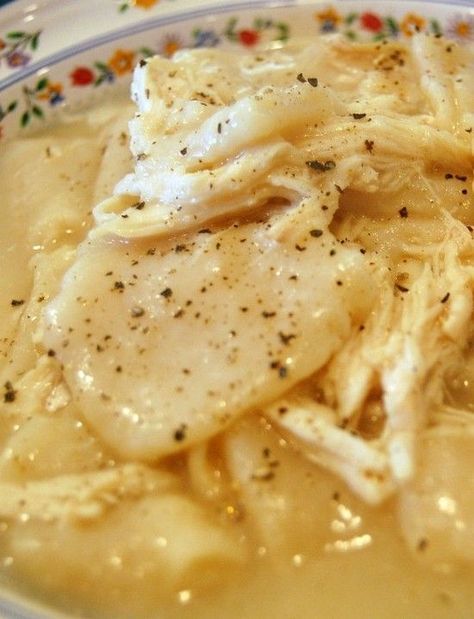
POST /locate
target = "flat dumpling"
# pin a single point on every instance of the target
(163, 345)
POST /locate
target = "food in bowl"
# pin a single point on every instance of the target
(237, 342)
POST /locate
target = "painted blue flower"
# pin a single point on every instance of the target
(56, 98)
(205, 38)
(328, 26)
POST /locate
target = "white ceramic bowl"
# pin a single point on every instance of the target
(70, 53)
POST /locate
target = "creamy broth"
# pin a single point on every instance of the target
(334, 480)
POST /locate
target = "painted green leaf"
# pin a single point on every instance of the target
(146, 51)
(392, 25)
(284, 31)
(101, 66)
(15, 35)
(37, 111)
(436, 27)
(25, 119)
(35, 40)
(12, 106)
(230, 29)
(41, 84)
(351, 17)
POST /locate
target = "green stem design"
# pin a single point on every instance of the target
(19, 42)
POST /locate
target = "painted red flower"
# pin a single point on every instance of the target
(82, 76)
(372, 22)
(249, 37)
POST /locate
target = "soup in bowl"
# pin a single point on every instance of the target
(237, 268)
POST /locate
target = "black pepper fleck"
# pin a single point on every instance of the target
(10, 393)
(166, 293)
(321, 166)
(180, 433)
(422, 544)
(286, 338)
(401, 288)
(369, 145)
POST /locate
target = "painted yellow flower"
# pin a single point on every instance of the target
(56, 88)
(51, 92)
(144, 4)
(122, 61)
(412, 23)
(463, 29)
(328, 15)
(170, 45)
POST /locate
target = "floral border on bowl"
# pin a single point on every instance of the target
(34, 99)
(372, 25)
(17, 47)
(138, 4)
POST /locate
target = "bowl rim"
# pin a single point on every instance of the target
(187, 12)
(153, 22)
